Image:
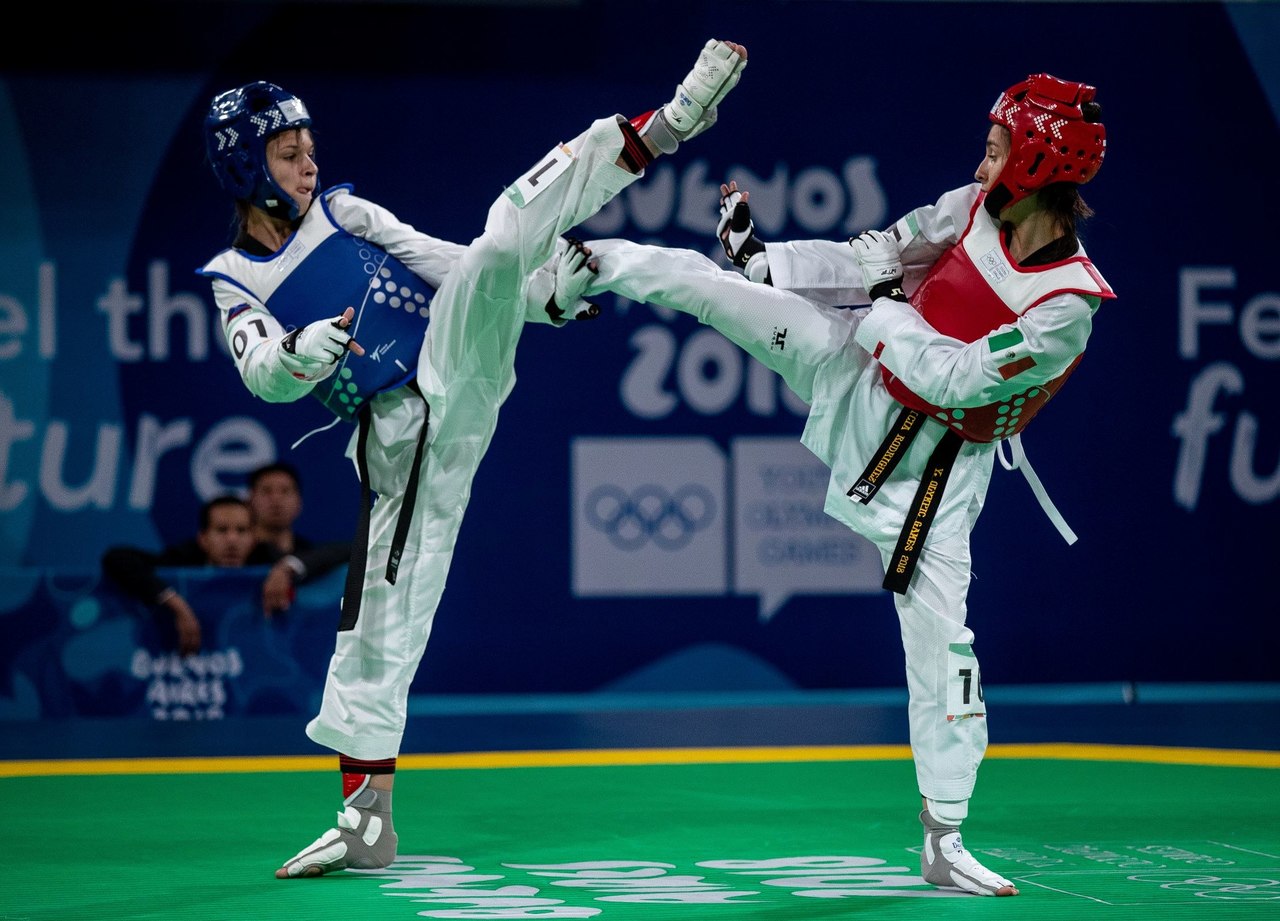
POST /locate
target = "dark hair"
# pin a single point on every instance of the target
(276, 467)
(206, 510)
(1064, 201)
(240, 221)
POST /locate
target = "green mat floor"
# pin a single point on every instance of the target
(730, 841)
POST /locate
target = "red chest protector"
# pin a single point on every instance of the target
(973, 290)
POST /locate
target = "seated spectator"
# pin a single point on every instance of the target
(275, 497)
(225, 539)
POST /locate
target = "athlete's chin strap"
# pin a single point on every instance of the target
(1020, 462)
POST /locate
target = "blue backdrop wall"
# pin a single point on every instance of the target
(120, 410)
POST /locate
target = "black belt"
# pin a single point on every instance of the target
(923, 508)
(928, 497)
(351, 595)
(887, 456)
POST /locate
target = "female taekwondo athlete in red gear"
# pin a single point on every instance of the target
(981, 306)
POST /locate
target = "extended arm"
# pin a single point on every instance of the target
(133, 571)
(432, 259)
(298, 568)
(428, 257)
(825, 270)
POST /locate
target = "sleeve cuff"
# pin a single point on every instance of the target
(874, 329)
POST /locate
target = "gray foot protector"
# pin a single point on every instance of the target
(364, 839)
(945, 862)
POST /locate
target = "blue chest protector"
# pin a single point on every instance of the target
(320, 272)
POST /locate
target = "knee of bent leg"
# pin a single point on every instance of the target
(500, 241)
(492, 252)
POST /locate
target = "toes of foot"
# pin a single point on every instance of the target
(308, 871)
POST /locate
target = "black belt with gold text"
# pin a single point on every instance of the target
(928, 498)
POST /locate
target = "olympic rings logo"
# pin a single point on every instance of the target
(650, 513)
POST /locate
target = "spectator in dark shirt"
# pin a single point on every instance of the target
(275, 498)
(225, 539)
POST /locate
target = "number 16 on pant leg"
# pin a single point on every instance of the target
(964, 684)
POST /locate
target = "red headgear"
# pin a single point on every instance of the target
(1055, 136)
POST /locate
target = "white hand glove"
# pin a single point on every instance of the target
(575, 271)
(717, 71)
(877, 255)
(736, 230)
(312, 353)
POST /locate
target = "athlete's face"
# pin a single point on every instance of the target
(291, 158)
(229, 538)
(994, 159)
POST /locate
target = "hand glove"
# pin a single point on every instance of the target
(575, 271)
(877, 255)
(736, 230)
(312, 352)
(737, 233)
(694, 108)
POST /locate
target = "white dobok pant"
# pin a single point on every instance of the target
(465, 372)
(850, 414)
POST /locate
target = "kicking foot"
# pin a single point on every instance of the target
(693, 108)
(945, 862)
(363, 840)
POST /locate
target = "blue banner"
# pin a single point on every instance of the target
(646, 494)
(81, 649)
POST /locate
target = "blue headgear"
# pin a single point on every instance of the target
(235, 134)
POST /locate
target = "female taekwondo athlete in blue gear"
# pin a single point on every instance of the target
(325, 294)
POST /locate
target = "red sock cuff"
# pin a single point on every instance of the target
(359, 766)
(356, 773)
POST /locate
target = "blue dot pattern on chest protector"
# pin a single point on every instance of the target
(392, 307)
